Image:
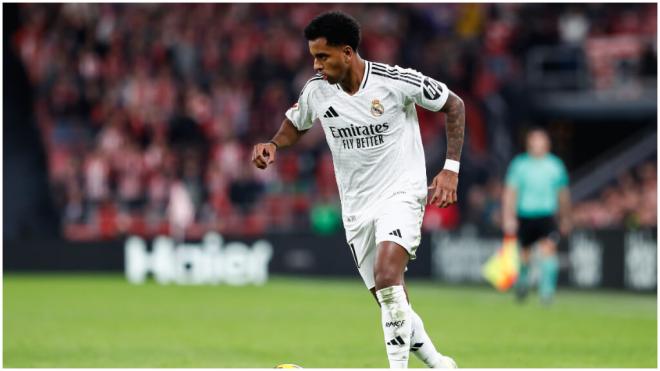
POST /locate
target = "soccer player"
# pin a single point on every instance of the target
(536, 187)
(367, 111)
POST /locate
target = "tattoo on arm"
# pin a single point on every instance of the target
(455, 110)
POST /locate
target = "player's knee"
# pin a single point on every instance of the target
(386, 278)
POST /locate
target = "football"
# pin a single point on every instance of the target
(287, 365)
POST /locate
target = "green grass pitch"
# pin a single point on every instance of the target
(88, 320)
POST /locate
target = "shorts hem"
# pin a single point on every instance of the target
(410, 250)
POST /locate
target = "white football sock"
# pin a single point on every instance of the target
(397, 325)
(421, 345)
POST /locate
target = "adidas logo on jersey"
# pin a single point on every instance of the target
(330, 113)
(395, 232)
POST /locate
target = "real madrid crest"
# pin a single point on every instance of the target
(377, 108)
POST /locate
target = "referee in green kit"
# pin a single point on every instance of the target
(536, 191)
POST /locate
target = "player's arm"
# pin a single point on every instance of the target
(510, 198)
(565, 222)
(445, 184)
(299, 119)
(455, 110)
(509, 220)
(263, 154)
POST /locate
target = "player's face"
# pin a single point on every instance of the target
(331, 61)
(538, 143)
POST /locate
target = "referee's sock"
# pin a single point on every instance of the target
(397, 327)
(523, 274)
(548, 280)
(521, 285)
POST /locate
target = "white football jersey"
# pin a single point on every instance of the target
(374, 134)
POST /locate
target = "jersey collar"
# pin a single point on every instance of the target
(363, 83)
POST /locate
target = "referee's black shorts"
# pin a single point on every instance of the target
(531, 230)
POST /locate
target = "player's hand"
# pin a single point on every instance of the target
(263, 154)
(443, 188)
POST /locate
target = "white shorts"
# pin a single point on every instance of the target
(398, 219)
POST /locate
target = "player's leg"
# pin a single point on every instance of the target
(420, 342)
(549, 265)
(422, 346)
(522, 283)
(391, 261)
(398, 234)
(397, 227)
(526, 238)
(361, 242)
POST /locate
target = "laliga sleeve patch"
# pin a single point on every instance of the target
(432, 89)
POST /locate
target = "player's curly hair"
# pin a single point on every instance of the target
(338, 29)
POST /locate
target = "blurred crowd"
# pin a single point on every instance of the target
(631, 201)
(148, 112)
